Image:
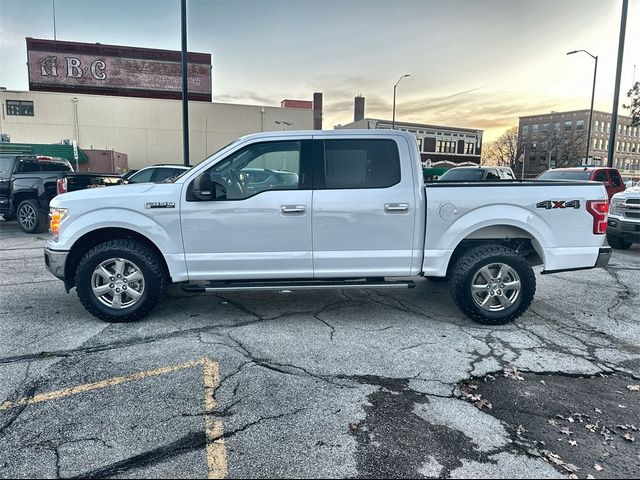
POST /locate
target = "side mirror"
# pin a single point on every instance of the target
(204, 189)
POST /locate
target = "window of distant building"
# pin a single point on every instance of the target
(556, 126)
(567, 125)
(545, 128)
(597, 125)
(470, 148)
(608, 127)
(580, 125)
(532, 159)
(525, 130)
(534, 129)
(20, 108)
(617, 146)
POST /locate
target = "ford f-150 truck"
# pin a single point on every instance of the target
(624, 219)
(350, 210)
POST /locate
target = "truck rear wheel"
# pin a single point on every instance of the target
(618, 243)
(120, 280)
(493, 284)
(30, 218)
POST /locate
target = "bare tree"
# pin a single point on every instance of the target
(634, 107)
(568, 147)
(504, 151)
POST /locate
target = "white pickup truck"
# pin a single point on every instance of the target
(322, 209)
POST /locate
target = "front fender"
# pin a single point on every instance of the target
(163, 229)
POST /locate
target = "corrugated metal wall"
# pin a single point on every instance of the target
(147, 130)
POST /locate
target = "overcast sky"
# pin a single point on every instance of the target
(477, 64)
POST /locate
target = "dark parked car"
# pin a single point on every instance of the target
(477, 174)
(609, 176)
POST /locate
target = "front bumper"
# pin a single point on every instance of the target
(56, 262)
(621, 228)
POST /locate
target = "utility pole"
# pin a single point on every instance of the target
(616, 92)
(185, 85)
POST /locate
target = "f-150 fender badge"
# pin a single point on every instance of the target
(549, 204)
(160, 205)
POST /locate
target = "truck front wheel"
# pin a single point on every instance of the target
(493, 284)
(120, 280)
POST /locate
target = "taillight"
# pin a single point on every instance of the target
(62, 185)
(599, 210)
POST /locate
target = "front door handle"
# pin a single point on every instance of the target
(292, 209)
(396, 207)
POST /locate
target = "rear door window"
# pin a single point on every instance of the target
(49, 166)
(492, 175)
(616, 180)
(601, 176)
(143, 176)
(29, 165)
(358, 163)
(162, 174)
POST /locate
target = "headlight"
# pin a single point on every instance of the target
(56, 215)
(614, 208)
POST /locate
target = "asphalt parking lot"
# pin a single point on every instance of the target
(319, 384)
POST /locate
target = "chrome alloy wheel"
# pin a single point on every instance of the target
(495, 287)
(27, 216)
(117, 283)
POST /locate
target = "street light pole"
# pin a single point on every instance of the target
(393, 122)
(593, 93)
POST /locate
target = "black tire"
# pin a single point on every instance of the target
(30, 218)
(466, 270)
(619, 243)
(150, 266)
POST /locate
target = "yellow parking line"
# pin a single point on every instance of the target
(216, 453)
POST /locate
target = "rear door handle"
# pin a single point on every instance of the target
(292, 209)
(396, 207)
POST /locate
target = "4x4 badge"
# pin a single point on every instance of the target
(549, 204)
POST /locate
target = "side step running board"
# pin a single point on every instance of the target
(302, 285)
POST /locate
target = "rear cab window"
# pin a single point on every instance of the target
(565, 175)
(358, 163)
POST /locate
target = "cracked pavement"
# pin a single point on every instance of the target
(324, 384)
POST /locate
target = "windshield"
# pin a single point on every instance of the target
(6, 164)
(462, 175)
(564, 175)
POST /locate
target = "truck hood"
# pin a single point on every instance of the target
(633, 192)
(103, 194)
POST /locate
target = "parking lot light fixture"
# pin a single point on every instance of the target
(593, 92)
(393, 121)
(283, 123)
